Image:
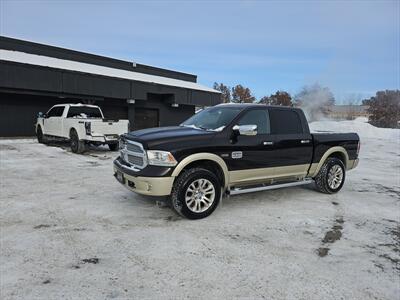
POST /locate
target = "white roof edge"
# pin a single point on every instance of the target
(70, 65)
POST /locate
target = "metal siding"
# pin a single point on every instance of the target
(168, 115)
(62, 53)
(29, 77)
(201, 98)
(75, 83)
(18, 113)
(141, 90)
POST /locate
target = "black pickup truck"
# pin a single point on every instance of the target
(232, 149)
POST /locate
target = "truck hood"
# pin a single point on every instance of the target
(166, 138)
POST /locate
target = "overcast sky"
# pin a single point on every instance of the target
(350, 46)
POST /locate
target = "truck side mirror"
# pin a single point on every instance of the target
(245, 129)
(41, 115)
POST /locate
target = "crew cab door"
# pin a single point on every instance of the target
(53, 121)
(291, 142)
(249, 158)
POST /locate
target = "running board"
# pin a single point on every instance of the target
(238, 191)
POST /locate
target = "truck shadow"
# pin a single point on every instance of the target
(91, 150)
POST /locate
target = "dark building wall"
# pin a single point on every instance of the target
(28, 89)
(18, 112)
(168, 115)
(68, 83)
(62, 53)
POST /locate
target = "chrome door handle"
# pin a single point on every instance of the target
(268, 143)
(305, 141)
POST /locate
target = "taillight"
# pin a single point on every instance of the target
(358, 147)
(88, 128)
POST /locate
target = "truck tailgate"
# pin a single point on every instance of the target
(108, 127)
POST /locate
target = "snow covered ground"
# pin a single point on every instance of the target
(69, 230)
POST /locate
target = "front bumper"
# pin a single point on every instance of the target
(104, 139)
(152, 186)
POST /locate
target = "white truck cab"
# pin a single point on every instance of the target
(81, 124)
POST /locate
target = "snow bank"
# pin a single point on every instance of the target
(364, 130)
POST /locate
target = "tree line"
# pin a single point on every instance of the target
(317, 102)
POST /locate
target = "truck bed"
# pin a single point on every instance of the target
(324, 141)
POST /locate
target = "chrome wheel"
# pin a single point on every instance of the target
(200, 195)
(335, 177)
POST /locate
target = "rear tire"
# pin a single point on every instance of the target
(330, 178)
(196, 193)
(77, 146)
(113, 147)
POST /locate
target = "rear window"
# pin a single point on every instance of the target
(84, 112)
(285, 122)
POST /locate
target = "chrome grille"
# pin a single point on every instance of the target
(135, 160)
(133, 148)
(134, 154)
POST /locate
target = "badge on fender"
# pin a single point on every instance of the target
(237, 154)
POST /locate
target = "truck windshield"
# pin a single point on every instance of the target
(84, 112)
(213, 118)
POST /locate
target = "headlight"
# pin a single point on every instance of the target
(161, 158)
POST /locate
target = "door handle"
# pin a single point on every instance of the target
(268, 143)
(304, 141)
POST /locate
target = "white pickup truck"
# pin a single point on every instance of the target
(81, 124)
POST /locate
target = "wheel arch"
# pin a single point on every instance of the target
(70, 132)
(38, 126)
(337, 152)
(207, 160)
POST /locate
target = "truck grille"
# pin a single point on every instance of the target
(135, 160)
(134, 148)
(134, 154)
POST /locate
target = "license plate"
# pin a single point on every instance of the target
(120, 177)
(111, 137)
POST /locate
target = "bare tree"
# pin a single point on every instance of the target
(281, 98)
(241, 94)
(384, 108)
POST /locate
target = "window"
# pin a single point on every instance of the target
(213, 118)
(285, 121)
(257, 117)
(56, 111)
(84, 112)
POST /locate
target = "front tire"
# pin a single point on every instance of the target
(330, 178)
(77, 146)
(196, 193)
(40, 136)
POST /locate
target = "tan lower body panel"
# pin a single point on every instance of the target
(250, 176)
(152, 186)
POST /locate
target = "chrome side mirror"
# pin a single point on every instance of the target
(245, 129)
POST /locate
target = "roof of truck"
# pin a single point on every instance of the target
(245, 105)
(76, 104)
